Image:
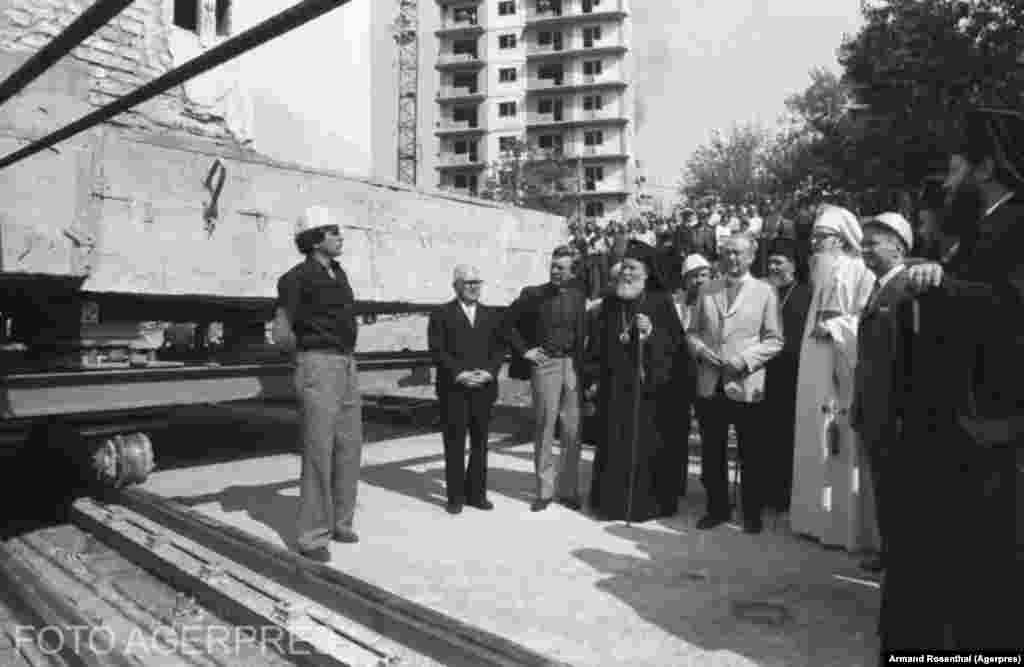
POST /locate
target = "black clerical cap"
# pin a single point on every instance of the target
(649, 257)
(783, 248)
(999, 134)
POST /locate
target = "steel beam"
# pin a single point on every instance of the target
(275, 26)
(88, 22)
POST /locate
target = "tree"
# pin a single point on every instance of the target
(916, 65)
(530, 177)
(730, 166)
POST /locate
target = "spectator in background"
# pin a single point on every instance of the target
(794, 300)
(705, 239)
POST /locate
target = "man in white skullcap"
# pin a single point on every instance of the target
(825, 502)
(884, 339)
(316, 314)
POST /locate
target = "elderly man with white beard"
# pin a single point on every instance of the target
(629, 359)
(831, 499)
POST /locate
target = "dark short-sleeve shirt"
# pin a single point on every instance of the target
(558, 321)
(321, 308)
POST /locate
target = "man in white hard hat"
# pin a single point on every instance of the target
(316, 314)
(884, 336)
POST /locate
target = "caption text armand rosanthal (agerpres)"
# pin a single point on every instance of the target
(941, 658)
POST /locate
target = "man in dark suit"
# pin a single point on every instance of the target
(884, 336)
(464, 337)
(546, 328)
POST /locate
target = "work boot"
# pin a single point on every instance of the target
(319, 554)
(482, 504)
(540, 504)
(346, 535)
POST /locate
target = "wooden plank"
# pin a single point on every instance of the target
(245, 597)
(431, 633)
(55, 611)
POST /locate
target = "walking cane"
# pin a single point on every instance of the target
(634, 434)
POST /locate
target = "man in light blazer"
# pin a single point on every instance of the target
(734, 331)
(464, 337)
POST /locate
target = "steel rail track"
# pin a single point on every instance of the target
(83, 580)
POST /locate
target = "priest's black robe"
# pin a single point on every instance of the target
(946, 587)
(627, 402)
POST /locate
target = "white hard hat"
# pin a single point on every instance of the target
(896, 223)
(314, 217)
(694, 262)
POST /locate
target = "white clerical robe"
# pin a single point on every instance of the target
(832, 499)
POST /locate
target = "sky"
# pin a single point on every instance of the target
(704, 64)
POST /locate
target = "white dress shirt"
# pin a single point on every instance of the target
(470, 310)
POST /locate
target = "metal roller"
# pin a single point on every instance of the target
(123, 460)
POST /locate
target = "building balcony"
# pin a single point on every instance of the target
(451, 26)
(447, 126)
(447, 3)
(599, 152)
(460, 160)
(575, 11)
(575, 117)
(458, 60)
(535, 52)
(601, 189)
(460, 94)
(574, 83)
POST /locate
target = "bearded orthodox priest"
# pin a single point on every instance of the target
(831, 500)
(964, 428)
(629, 358)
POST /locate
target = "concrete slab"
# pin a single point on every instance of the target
(583, 591)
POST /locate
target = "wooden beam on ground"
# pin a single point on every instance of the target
(246, 598)
(431, 633)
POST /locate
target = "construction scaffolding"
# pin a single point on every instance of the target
(407, 39)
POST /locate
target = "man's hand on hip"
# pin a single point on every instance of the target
(535, 356)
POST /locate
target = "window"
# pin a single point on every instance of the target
(186, 14)
(465, 81)
(506, 144)
(507, 41)
(507, 109)
(462, 181)
(592, 102)
(464, 15)
(460, 114)
(592, 67)
(588, 6)
(506, 8)
(464, 46)
(544, 38)
(507, 74)
(546, 106)
(550, 141)
(594, 209)
(556, 72)
(194, 15)
(591, 36)
(593, 138)
(592, 176)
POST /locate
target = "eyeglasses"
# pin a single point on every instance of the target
(472, 283)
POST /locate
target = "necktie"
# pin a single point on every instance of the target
(873, 297)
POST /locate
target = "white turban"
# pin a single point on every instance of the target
(841, 221)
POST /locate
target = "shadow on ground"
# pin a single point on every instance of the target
(767, 598)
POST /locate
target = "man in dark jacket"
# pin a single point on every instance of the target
(546, 329)
(464, 338)
(316, 308)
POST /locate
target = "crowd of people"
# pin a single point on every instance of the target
(874, 391)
